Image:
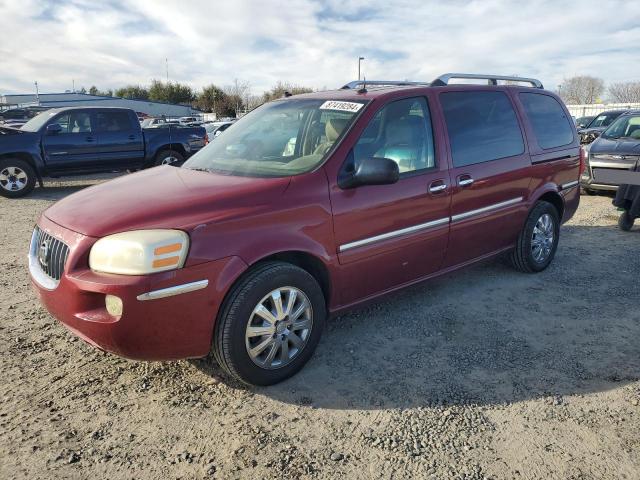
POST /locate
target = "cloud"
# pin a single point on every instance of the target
(314, 43)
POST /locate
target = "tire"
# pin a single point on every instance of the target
(625, 222)
(543, 222)
(169, 157)
(239, 329)
(589, 191)
(17, 178)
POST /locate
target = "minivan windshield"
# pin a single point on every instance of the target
(37, 122)
(627, 126)
(279, 139)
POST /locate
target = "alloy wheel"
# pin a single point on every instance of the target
(13, 179)
(279, 328)
(168, 160)
(542, 238)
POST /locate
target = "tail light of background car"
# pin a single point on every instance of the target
(583, 160)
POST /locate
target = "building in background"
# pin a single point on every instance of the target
(75, 99)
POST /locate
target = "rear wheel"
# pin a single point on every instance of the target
(17, 178)
(169, 157)
(538, 240)
(589, 191)
(625, 222)
(270, 324)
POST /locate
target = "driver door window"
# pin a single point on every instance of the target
(401, 131)
(74, 122)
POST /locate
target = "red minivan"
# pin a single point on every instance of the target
(305, 207)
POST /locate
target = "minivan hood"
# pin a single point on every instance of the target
(620, 146)
(163, 197)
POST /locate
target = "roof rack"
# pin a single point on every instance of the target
(443, 80)
(385, 83)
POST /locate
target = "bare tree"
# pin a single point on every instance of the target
(625, 92)
(582, 89)
(240, 91)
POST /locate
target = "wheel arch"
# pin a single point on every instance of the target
(308, 262)
(552, 197)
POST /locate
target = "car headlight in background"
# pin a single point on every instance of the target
(140, 252)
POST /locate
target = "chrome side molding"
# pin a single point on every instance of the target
(395, 233)
(488, 208)
(171, 291)
(564, 186)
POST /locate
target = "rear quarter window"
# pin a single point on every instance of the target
(550, 124)
(482, 126)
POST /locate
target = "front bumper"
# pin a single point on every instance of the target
(158, 321)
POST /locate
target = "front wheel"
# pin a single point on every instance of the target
(625, 222)
(270, 324)
(169, 157)
(538, 240)
(17, 178)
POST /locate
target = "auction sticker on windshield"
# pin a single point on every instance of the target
(342, 106)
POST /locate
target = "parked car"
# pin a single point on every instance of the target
(617, 148)
(598, 125)
(80, 140)
(216, 128)
(245, 250)
(154, 122)
(582, 122)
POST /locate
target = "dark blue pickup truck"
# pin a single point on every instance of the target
(80, 140)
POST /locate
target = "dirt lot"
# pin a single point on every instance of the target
(484, 373)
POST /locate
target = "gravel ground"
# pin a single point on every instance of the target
(483, 373)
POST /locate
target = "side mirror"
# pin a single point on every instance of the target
(54, 128)
(372, 171)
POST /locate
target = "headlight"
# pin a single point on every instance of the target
(140, 252)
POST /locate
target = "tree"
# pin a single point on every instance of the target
(211, 99)
(582, 89)
(237, 95)
(94, 91)
(133, 92)
(279, 89)
(171, 92)
(625, 92)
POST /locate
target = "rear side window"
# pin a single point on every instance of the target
(549, 122)
(113, 122)
(482, 126)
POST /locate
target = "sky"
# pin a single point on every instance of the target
(111, 43)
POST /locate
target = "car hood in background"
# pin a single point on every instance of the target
(622, 146)
(163, 197)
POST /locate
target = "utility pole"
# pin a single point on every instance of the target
(166, 60)
(359, 61)
(37, 93)
(73, 85)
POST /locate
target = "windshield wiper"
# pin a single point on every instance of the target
(199, 169)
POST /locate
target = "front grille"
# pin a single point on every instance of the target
(49, 253)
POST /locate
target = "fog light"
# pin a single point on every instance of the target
(114, 305)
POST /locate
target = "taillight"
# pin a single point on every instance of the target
(206, 138)
(583, 160)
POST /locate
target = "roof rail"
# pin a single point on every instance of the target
(443, 80)
(357, 83)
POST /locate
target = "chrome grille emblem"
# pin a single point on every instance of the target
(43, 253)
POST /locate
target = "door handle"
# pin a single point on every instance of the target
(465, 180)
(132, 137)
(437, 186)
(90, 139)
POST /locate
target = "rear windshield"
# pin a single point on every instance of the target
(278, 139)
